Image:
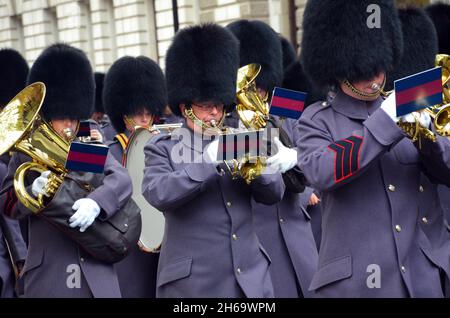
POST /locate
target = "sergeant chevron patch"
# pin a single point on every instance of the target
(346, 159)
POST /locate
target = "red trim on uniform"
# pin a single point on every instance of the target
(351, 156)
(10, 203)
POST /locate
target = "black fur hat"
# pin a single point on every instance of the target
(296, 79)
(440, 14)
(342, 41)
(289, 55)
(99, 79)
(68, 76)
(13, 78)
(259, 43)
(133, 84)
(201, 65)
(420, 45)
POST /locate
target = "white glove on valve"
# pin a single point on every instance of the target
(284, 160)
(39, 184)
(424, 118)
(87, 211)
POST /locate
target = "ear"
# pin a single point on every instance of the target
(183, 109)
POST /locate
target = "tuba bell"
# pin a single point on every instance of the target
(254, 113)
(22, 129)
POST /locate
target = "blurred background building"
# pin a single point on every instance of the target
(109, 29)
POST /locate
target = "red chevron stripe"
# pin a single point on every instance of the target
(341, 150)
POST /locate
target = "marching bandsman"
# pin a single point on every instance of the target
(283, 228)
(420, 46)
(55, 265)
(352, 150)
(12, 245)
(99, 111)
(209, 247)
(107, 130)
(440, 15)
(294, 78)
(134, 94)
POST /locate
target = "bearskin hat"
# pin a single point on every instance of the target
(344, 40)
(131, 85)
(14, 71)
(440, 14)
(259, 43)
(201, 65)
(68, 76)
(420, 45)
(99, 78)
(296, 79)
(289, 55)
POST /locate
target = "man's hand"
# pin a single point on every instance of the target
(87, 211)
(313, 200)
(39, 184)
(284, 160)
(423, 117)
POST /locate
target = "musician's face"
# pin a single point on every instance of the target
(262, 93)
(62, 126)
(97, 116)
(142, 118)
(366, 86)
(205, 111)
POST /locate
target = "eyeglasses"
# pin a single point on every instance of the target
(209, 107)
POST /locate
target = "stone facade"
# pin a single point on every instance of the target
(109, 29)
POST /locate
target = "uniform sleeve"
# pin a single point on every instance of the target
(11, 206)
(168, 189)
(13, 235)
(435, 158)
(329, 164)
(115, 190)
(268, 188)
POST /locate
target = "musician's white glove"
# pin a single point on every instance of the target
(424, 118)
(39, 184)
(210, 152)
(389, 106)
(87, 211)
(285, 159)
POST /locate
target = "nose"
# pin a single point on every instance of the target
(68, 123)
(214, 110)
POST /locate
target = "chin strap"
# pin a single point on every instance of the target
(367, 96)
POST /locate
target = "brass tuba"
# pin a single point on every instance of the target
(253, 112)
(22, 129)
